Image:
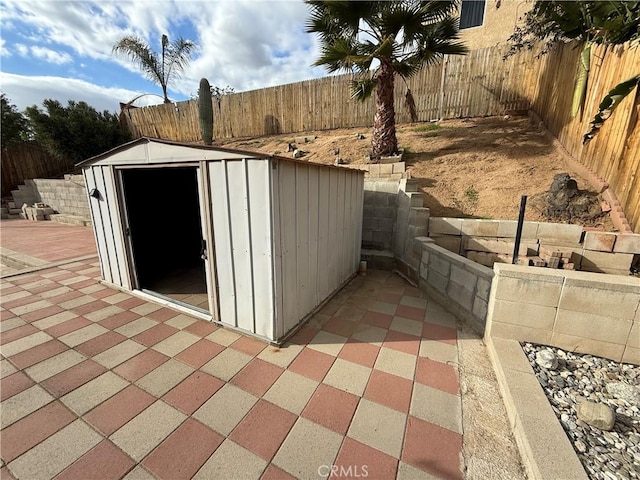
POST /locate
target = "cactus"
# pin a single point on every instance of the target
(205, 112)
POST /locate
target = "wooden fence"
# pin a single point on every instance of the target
(480, 83)
(27, 161)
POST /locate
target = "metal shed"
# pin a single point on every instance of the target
(252, 241)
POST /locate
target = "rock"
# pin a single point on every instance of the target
(546, 359)
(597, 415)
(580, 446)
(624, 391)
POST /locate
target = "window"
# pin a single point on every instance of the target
(471, 13)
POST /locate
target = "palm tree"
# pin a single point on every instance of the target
(377, 40)
(160, 69)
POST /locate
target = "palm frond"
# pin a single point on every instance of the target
(140, 54)
(580, 88)
(363, 88)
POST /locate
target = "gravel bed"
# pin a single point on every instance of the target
(569, 378)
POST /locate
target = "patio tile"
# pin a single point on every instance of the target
(82, 335)
(263, 417)
(199, 353)
(105, 293)
(116, 297)
(402, 342)
(274, 473)
(33, 429)
(307, 447)
(438, 407)
(340, 326)
(190, 394)
(370, 334)
(408, 472)
(226, 364)
(135, 327)
(69, 326)
(312, 364)
(396, 363)
(383, 307)
(139, 473)
(183, 452)
(437, 375)
(53, 320)
(17, 333)
(389, 390)
(439, 351)
(119, 353)
(305, 334)
(30, 307)
(104, 461)
(130, 303)
(440, 332)
(230, 460)
(96, 287)
(54, 365)
(247, 345)
(365, 461)
(103, 313)
(163, 314)
(359, 352)
(137, 367)
(70, 298)
(9, 299)
(93, 393)
(406, 325)
(432, 448)
(281, 356)
(436, 314)
(100, 343)
(72, 378)
(349, 312)
(155, 334)
(118, 320)
(57, 292)
(328, 343)
(224, 410)
(379, 427)
(291, 392)
(165, 377)
(202, 328)
(116, 411)
(6, 368)
(147, 430)
(14, 384)
(176, 343)
(25, 343)
(415, 302)
(145, 309)
(47, 459)
(223, 336)
(83, 308)
(377, 319)
(410, 312)
(389, 297)
(41, 313)
(348, 376)
(37, 354)
(332, 408)
(257, 376)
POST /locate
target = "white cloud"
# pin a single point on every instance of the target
(24, 91)
(3, 50)
(43, 53)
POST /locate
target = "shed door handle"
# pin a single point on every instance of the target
(203, 249)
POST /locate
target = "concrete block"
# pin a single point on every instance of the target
(417, 199)
(527, 290)
(627, 243)
(480, 228)
(634, 335)
(399, 167)
(524, 314)
(370, 224)
(381, 185)
(599, 241)
(575, 343)
(386, 211)
(368, 210)
(559, 233)
(416, 246)
(439, 264)
(385, 224)
(605, 262)
(386, 169)
(520, 333)
(437, 281)
(483, 288)
(593, 326)
(463, 277)
(419, 216)
(384, 239)
(496, 245)
(631, 355)
(367, 236)
(445, 226)
(450, 242)
(613, 299)
(461, 295)
(480, 308)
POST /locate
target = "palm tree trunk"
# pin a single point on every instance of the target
(164, 92)
(384, 141)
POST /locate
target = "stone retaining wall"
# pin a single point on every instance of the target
(67, 196)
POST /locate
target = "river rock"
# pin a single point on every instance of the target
(546, 359)
(597, 415)
(624, 391)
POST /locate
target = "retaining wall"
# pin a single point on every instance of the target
(67, 196)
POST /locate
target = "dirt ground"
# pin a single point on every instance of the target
(466, 168)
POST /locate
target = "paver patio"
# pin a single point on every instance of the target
(97, 383)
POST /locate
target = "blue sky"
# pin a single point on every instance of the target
(61, 49)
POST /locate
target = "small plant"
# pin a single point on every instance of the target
(277, 152)
(406, 150)
(430, 135)
(427, 127)
(471, 194)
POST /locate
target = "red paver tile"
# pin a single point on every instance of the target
(193, 391)
(403, 342)
(37, 354)
(432, 448)
(413, 292)
(63, 276)
(274, 473)
(257, 377)
(42, 313)
(138, 366)
(410, 312)
(202, 328)
(24, 280)
(440, 332)
(17, 333)
(130, 303)
(112, 414)
(304, 335)
(73, 377)
(99, 344)
(14, 384)
(162, 315)
(5, 474)
(357, 460)
(65, 296)
(67, 327)
(11, 289)
(388, 297)
(19, 302)
(104, 461)
(90, 307)
(264, 417)
(6, 315)
(107, 292)
(199, 353)
(33, 429)
(118, 320)
(40, 288)
(250, 346)
(312, 364)
(437, 375)
(340, 326)
(82, 283)
(155, 334)
(359, 352)
(376, 319)
(332, 408)
(183, 452)
(389, 390)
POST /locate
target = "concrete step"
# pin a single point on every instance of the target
(378, 259)
(70, 220)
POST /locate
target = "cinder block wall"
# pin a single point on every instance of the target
(67, 196)
(379, 214)
(577, 311)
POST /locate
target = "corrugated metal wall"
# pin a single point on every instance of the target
(107, 225)
(318, 228)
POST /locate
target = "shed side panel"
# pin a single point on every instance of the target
(313, 297)
(116, 226)
(323, 235)
(288, 229)
(96, 219)
(301, 201)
